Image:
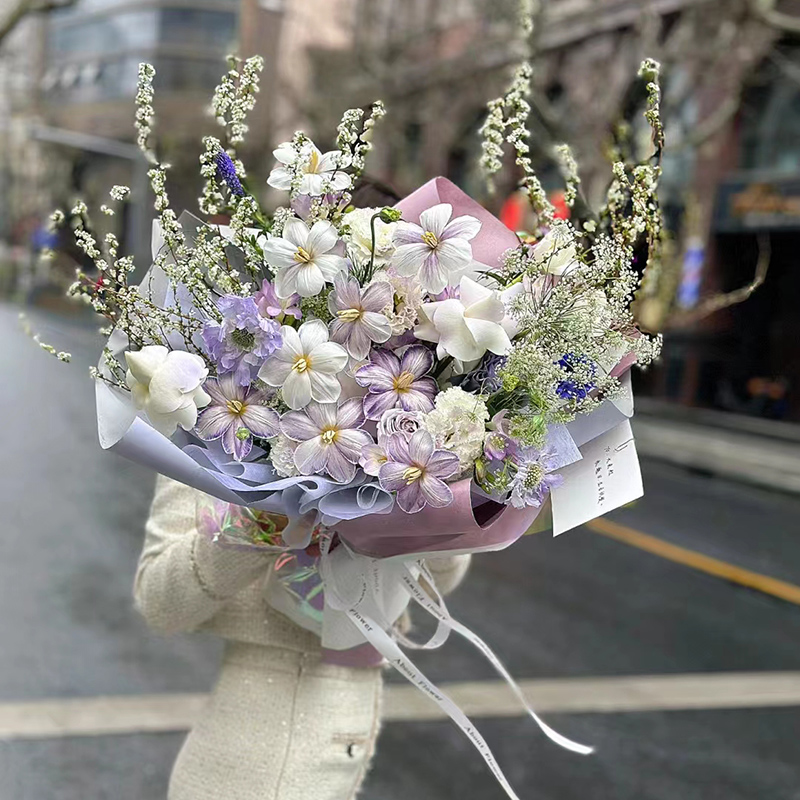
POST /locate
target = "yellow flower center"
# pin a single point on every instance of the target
(302, 256)
(313, 162)
(429, 237)
(329, 435)
(350, 314)
(236, 407)
(301, 364)
(402, 383)
(412, 474)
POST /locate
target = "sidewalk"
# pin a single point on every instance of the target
(755, 451)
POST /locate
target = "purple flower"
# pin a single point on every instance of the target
(270, 305)
(532, 482)
(399, 421)
(415, 470)
(372, 458)
(226, 171)
(357, 318)
(235, 415)
(436, 250)
(497, 446)
(484, 379)
(395, 382)
(330, 436)
(570, 389)
(243, 340)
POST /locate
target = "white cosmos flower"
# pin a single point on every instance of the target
(306, 365)
(437, 250)
(467, 327)
(322, 172)
(167, 385)
(303, 258)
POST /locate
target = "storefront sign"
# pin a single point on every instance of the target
(756, 205)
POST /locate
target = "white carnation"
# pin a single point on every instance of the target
(281, 455)
(458, 424)
(404, 311)
(360, 236)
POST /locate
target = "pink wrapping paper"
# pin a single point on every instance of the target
(459, 526)
(492, 240)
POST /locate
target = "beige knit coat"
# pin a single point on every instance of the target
(280, 724)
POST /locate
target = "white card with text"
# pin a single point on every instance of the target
(607, 477)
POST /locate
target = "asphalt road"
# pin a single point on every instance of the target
(579, 605)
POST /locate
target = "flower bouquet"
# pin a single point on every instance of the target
(358, 388)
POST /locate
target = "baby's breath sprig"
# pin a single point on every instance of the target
(569, 170)
(145, 113)
(507, 120)
(27, 329)
(235, 97)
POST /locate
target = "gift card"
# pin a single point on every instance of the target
(607, 477)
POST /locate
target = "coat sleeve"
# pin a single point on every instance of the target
(183, 578)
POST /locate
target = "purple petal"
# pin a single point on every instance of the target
(261, 421)
(411, 498)
(242, 447)
(350, 413)
(420, 447)
(347, 292)
(377, 296)
(391, 476)
(414, 400)
(435, 491)
(432, 275)
(396, 447)
(376, 377)
(323, 415)
(376, 404)
(406, 233)
(358, 341)
(464, 227)
(213, 422)
(338, 467)
(350, 443)
(215, 390)
(417, 360)
(385, 359)
(311, 456)
(442, 464)
(298, 427)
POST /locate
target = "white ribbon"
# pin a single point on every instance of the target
(367, 592)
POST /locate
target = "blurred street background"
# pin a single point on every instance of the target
(667, 635)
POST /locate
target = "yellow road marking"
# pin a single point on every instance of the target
(690, 558)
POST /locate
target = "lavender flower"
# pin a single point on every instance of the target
(395, 382)
(532, 482)
(235, 415)
(330, 436)
(415, 470)
(243, 340)
(270, 305)
(226, 171)
(358, 321)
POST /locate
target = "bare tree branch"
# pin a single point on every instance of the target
(717, 302)
(25, 8)
(765, 11)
